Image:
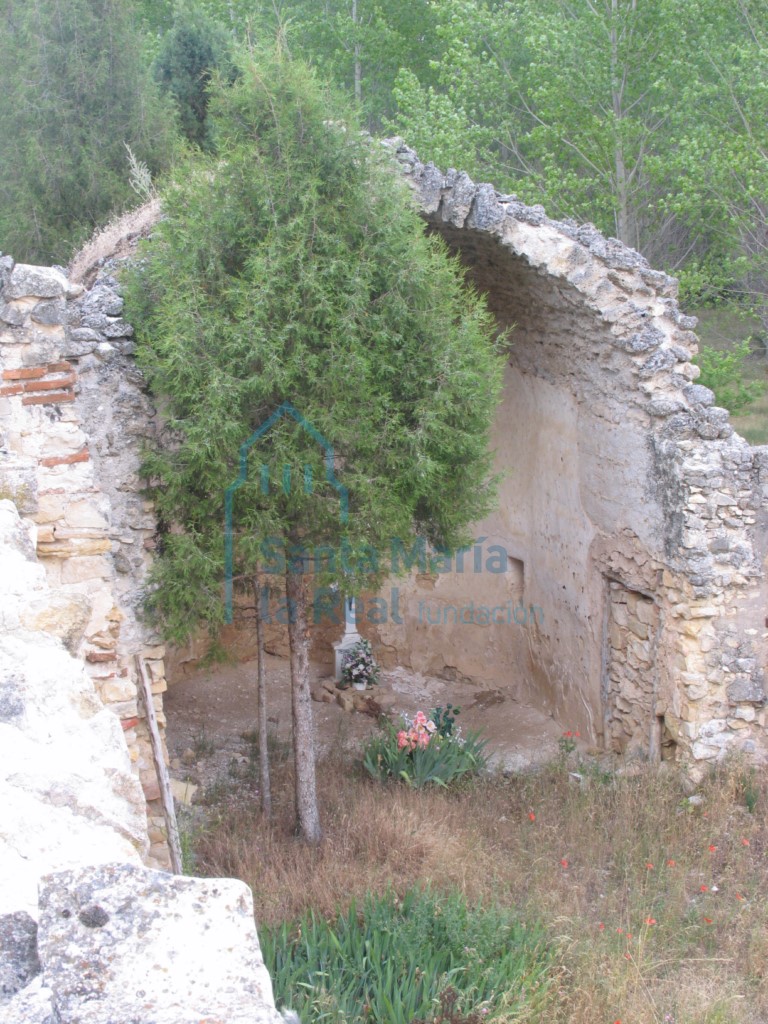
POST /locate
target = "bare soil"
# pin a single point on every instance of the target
(211, 711)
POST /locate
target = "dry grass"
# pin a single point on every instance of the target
(116, 240)
(615, 867)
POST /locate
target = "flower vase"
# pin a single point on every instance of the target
(359, 686)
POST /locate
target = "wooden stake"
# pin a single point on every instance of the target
(163, 778)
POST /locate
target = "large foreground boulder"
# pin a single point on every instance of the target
(120, 944)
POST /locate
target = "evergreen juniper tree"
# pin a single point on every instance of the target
(75, 89)
(191, 51)
(292, 267)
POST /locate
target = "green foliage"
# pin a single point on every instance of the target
(191, 52)
(445, 718)
(647, 119)
(75, 89)
(389, 961)
(292, 267)
(420, 757)
(723, 373)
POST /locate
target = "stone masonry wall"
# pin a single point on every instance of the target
(628, 506)
(622, 482)
(72, 415)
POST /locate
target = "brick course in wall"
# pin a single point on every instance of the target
(68, 481)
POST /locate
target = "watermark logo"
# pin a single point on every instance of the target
(399, 555)
(285, 410)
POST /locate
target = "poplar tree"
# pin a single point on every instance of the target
(292, 267)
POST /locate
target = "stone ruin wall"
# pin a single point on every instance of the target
(72, 418)
(88, 934)
(633, 516)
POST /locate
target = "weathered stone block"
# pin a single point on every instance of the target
(12, 314)
(117, 329)
(746, 714)
(117, 690)
(151, 948)
(61, 615)
(42, 282)
(746, 691)
(80, 342)
(640, 629)
(32, 1005)
(19, 962)
(89, 567)
(50, 312)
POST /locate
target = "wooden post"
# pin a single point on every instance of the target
(174, 843)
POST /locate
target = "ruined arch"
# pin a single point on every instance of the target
(631, 514)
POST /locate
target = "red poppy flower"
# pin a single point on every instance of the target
(650, 920)
(712, 847)
(671, 863)
(708, 920)
(739, 896)
(703, 888)
(601, 927)
(563, 863)
(745, 842)
(531, 815)
(649, 866)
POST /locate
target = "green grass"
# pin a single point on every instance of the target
(391, 961)
(721, 328)
(653, 908)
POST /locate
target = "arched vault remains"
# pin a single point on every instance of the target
(632, 519)
(631, 513)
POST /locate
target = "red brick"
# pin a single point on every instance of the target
(66, 460)
(62, 367)
(129, 723)
(25, 373)
(50, 385)
(52, 398)
(11, 389)
(96, 657)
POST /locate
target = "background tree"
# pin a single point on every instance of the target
(75, 88)
(292, 267)
(193, 49)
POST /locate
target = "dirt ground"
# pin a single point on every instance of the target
(210, 710)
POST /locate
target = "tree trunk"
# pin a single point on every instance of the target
(307, 814)
(265, 787)
(625, 222)
(358, 64)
